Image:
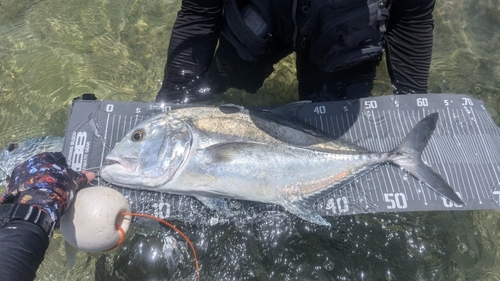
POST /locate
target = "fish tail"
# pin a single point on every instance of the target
(408, 155)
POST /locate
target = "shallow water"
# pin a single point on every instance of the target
(52, 51)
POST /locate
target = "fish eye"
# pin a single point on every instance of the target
(137, 135)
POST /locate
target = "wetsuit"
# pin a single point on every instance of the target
(195, 69)
(22, 247)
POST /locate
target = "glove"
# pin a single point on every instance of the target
(196, 91)
(46, 182)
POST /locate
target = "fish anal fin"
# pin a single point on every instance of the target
(305, 209)
(216, 204)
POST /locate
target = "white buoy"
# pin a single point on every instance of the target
(93, 221)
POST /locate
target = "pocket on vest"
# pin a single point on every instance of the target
(247, 30)
(348, 34)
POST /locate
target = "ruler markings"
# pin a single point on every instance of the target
(482, 180)
(333, 126)
(384, 169)
(446, 153)
(366, 133)
(112, 132)
(136, 119)
(327, 125)
(486, 144)
(105, 138)
(384, 130)
(395, 137)
(354, 189)
(454, 170)
(364, 196)
(439, 157)
(339, 128)
(353, 130)
(378, 140)
(362, 186)
(124, 126)
(348, 124)
(468, 165)
(453, 136)
(118, 126)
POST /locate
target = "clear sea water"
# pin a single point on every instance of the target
(53, 51)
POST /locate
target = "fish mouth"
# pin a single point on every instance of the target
(129, 164)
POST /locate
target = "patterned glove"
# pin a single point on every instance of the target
(44, 181)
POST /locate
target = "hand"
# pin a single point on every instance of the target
(183, 97)
(45, 181)
(196, 91)
(172, 96)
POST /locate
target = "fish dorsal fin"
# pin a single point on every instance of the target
(296, 131)
(289, 111)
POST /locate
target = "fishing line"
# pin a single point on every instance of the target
(92, 169)
(122, 238)
(96, 168)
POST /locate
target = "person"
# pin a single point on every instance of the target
(39, 192)
(218, 44)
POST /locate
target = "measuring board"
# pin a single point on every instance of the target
(464, 149)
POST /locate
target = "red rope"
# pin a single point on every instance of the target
(122, 237)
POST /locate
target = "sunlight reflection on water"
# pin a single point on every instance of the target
(52, 52)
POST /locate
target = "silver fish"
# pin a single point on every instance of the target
(230, 152)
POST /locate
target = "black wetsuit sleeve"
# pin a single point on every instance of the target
(22, 249)
(193, 41)
(409, 44)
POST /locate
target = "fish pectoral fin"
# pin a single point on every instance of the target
(230, 151)
(216, 204)
(305, 210)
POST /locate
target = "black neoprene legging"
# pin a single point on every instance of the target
(192, 62)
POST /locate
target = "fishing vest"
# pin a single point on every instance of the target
(338, 34)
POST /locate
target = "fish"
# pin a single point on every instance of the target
(228, 151)
(17, 152)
